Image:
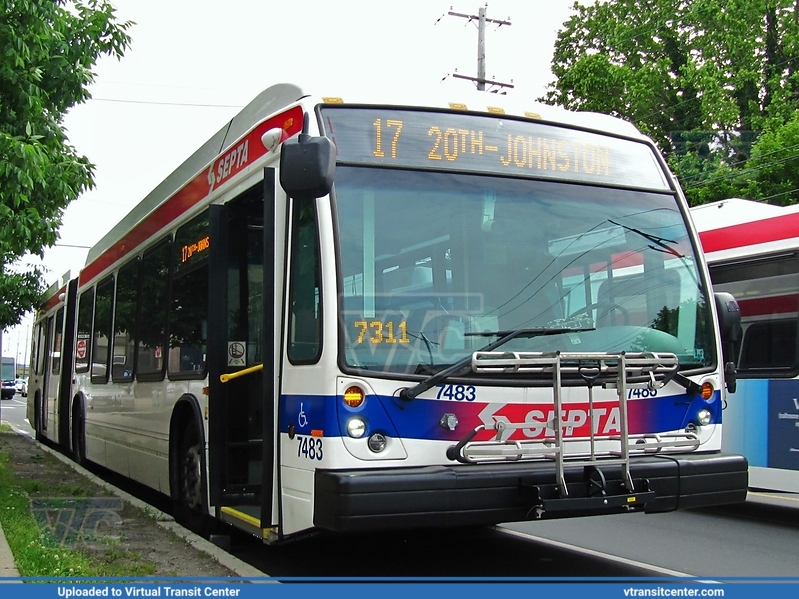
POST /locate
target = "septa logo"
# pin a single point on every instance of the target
(229, 164)
(575, 420)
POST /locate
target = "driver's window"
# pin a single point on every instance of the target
(305, 316)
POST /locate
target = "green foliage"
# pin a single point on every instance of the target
(713, 82)
(36, 553)
(48, 49)
(774, 164)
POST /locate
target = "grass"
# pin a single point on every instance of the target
(37, 553)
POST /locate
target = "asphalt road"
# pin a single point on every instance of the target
(754, 538)
(13, 411)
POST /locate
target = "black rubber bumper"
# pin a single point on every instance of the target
(483, 494)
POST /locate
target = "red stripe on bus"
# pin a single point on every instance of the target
(753, 233)
(54, 299)
(196, 190)
(762, 306)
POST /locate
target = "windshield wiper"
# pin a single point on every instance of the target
(410, 393)
(661, 242)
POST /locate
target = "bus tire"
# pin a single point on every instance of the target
(78, 433)
(191, 510)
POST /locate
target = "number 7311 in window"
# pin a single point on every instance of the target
(377, 331)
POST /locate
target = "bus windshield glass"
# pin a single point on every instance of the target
(438, 264)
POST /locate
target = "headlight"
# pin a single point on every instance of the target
(703, 417)
(356, 428)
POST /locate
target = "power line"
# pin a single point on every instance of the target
(157, 103)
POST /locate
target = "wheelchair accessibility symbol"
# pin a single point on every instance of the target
(302, 419)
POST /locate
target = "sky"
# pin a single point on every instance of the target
(193, 64)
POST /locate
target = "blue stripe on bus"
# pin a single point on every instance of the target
(327, 416)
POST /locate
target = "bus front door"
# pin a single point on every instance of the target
(241, 441)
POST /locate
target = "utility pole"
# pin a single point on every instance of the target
(481, 19)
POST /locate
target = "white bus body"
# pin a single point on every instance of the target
(429, 314)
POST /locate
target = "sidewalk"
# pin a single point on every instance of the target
(237, 567)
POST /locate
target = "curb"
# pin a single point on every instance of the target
(239, 567)
(7, 567)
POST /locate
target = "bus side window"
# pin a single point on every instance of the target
(188, 311)
(305, 319)
(58, 339)
(83, 342)
(40, 357)
(125, 321)
(151, 327)
(101, 346)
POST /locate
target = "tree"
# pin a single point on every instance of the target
(703, 78)
(48, 49)
(774, 164)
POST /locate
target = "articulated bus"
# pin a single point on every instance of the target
(344, 315)
(752, 249)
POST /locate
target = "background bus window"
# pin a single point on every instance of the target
(125, 322)
(767, 290)
(769, 345)
(101, 348)
(188, 312)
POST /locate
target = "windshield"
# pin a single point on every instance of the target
(436, 265)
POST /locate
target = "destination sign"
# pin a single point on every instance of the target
(189, 249)
(488, 144)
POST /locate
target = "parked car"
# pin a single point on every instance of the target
(9, 389)
(22, 386)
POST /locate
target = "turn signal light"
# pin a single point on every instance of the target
(353, 396)
(707, 391)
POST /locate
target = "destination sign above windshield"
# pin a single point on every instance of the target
(501, 145)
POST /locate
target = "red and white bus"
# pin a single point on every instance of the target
(349, 315)
(752, 249)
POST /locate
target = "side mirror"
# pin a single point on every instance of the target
(307, 165)
(729, 314)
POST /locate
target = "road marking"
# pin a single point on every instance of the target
(591, 552)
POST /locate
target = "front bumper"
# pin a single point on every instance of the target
(484, 494)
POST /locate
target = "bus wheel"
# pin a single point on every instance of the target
(78, 434)
(191, 510)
